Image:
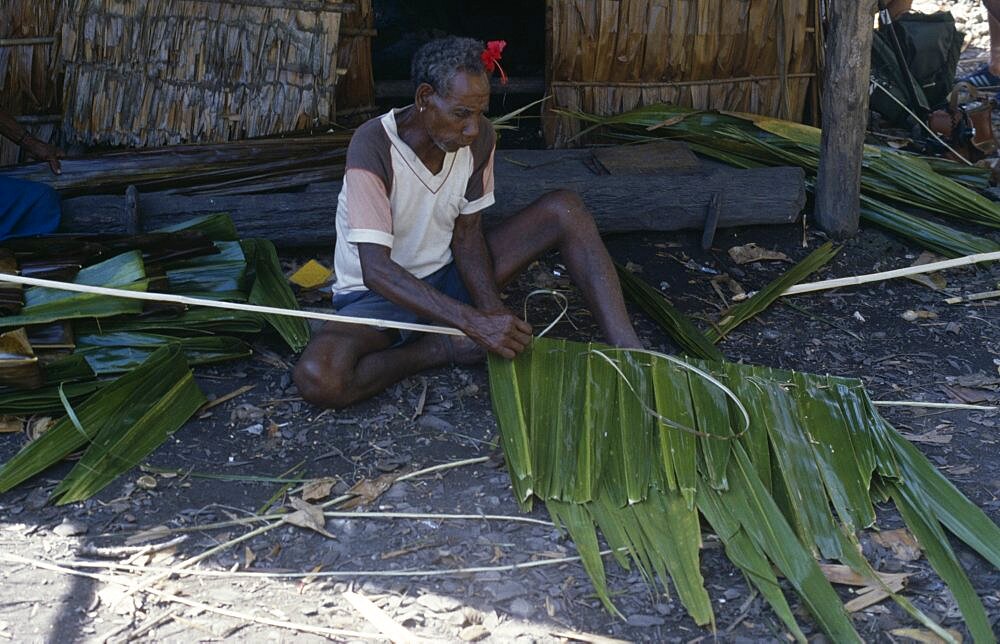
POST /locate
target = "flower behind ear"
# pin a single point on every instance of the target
(491, 58)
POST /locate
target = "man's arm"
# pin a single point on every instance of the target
(35, 148)
(475, 266)
(499, 332)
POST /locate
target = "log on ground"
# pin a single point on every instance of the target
(665, 202)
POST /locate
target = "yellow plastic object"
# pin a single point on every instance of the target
(311, 275)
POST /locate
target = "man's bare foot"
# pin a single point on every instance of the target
(462, 350)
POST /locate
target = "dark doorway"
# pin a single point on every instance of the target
(404, 25)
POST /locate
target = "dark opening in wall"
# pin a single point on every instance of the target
(405, 25)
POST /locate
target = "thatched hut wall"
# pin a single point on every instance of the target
(356, 85)
(29, 78)
(609, 56)
(172, 71)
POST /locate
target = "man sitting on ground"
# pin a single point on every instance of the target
(410, 245)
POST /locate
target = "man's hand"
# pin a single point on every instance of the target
(499, 331)
(44, 152)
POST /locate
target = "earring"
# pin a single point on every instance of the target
(421, 108)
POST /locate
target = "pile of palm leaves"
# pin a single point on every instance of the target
(785, 467)
(888, 175)
(118, 370)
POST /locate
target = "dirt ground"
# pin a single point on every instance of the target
(209, 472)
(248, 452)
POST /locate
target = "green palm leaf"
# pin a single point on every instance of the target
(798, 481)
(123, 406)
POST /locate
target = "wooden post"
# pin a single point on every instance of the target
(845, 115)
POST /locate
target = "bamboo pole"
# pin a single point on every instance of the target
(232, 306)
(886, 275)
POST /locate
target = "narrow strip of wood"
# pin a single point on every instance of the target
(19, 42)
(886, 275)
(232, 306)
(378, 618)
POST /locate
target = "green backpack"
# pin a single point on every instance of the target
(930, 45)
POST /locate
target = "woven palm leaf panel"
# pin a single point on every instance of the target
(356, 85)
(609, 56)
(29, 85)
(174, 71)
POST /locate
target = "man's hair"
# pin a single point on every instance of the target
(437, 61)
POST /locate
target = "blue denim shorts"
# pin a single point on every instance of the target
(369, 304)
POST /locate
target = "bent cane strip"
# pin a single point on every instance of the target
(234, 306)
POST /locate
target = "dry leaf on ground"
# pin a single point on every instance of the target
(754, 253)
(318, 489)
(307, 515)
(367, 490)
(900, 541)
(925, 637)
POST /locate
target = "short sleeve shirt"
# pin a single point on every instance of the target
(391, 198)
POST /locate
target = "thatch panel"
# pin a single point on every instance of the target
(155, 73)
(356, 85)
(751, 55)
(29, 82)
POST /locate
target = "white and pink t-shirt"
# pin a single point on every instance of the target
(390, 198)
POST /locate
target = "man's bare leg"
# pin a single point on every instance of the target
(346, 363)
(559, 220)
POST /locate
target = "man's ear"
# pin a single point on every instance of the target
(422, 96)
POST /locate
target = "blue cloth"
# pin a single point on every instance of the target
(369, 304)
(27, 208)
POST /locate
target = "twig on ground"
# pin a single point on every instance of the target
(437, 572)
(985, 295)
(933, 405)
(295, 626)
(280, 521)
(221, 399)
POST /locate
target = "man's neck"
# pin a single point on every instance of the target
(414, 135)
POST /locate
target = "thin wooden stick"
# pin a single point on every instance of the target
(433, 572)
(985, 295)
(180, 567)
(232, 306)
(158, 533)
(304, 628)
(886, 275)
(932, 405)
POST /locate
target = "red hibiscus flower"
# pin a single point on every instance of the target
(491, 58)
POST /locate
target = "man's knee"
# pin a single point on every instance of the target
(320, 385)
(569, 212)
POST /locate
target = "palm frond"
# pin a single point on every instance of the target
(122, 407)
(767, 295)
(798, 481)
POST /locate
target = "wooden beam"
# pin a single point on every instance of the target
(845, 115)
(21, 42)
(332, 6)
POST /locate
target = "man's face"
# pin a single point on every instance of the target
(453, 119)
